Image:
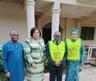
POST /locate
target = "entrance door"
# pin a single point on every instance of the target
(46, 34)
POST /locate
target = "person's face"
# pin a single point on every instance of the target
(74, 35)
(14, 36)
(57, 37)
(36, 34)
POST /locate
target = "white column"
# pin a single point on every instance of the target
(30, 13)
(55, 17)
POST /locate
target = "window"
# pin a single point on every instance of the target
(87, 33)
(93, 53)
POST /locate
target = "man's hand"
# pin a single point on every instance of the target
(8, 74)
(34, 66)
(57, 64)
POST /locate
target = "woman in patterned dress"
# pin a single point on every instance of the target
(34, 56)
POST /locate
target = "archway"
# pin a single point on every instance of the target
(46, 34)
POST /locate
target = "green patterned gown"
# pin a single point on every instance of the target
(34, 53)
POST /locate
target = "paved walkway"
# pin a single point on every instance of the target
(88, 73)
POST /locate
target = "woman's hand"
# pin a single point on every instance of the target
(82, 64)
(34, 66)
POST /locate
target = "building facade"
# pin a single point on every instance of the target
(49, 16)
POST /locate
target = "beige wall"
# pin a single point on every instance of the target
(69, 24)
(74, 22)
(12, 17)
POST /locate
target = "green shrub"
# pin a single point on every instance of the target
(0, 61)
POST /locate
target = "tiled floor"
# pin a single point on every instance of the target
(88, 73)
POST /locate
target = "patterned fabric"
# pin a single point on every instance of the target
(74, 29)
(34, 53)
(72, 71)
